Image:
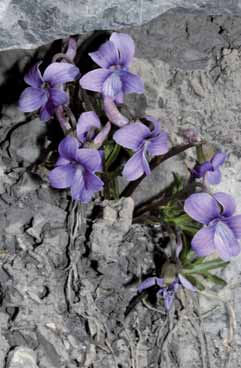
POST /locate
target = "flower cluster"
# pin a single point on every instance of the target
(103, 140)
(82, 153)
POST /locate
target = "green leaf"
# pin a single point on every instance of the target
(194, 281)
(206, 266)
(198, 260)
(200, 155)
(184, 256)
(108, 148)
(111, 153)
(177, 184)
(215, 279)
(185, 223)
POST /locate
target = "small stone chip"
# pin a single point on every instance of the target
(22, 357)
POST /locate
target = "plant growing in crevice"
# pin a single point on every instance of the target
(103, 141)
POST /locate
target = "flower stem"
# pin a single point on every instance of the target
(111, 187)
(71, 116)
(65, 126)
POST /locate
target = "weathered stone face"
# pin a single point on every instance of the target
(191, 68)
(28, 24)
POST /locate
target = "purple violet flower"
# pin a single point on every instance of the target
(113, 79)
(75, 169)
(167, 292)
(143, 141)
(221, 229)
(45, 91)
(209, 170)
(89, 129)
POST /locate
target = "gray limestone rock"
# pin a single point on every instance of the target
(28, 24)
(109, 231)
(65, 288)
(22, 357)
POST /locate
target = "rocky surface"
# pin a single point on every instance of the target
(66, 286)
(207, 101)
(68, 274)
(28, 24)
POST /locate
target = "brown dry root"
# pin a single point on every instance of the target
(187, 310)
(190, 313)
(171, 325)
(76, 225)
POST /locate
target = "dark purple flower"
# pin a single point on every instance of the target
(45, 92)
(166, 291)
(75, 169)
(143, 141)
(221, 229)
(209, 170)
(89, 129)
(113, 79)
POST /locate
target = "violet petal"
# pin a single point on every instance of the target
(34, 77)
(202, 207)
(146, 284)
(234, 223)
(62, 176)
(112, 86)
(168, 296)
(32, 99)
(125, 47)
(57, 73)
(225, 242)
(84, 185)
(62, 161)
(89, 158)
(106, 55)
(86, 121)
(92, 182)
(218, 159)
(133, 168)
(68, 148)
(203, 241)
(47, 111)
(132, 136)
(156, 124)
(158, 145)
(227, 202)
(145, 163)
(185, 283)
(94, 80)
(58, 97)
(131, 83)
(200, 170)
(213, 177)
(78, 186)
